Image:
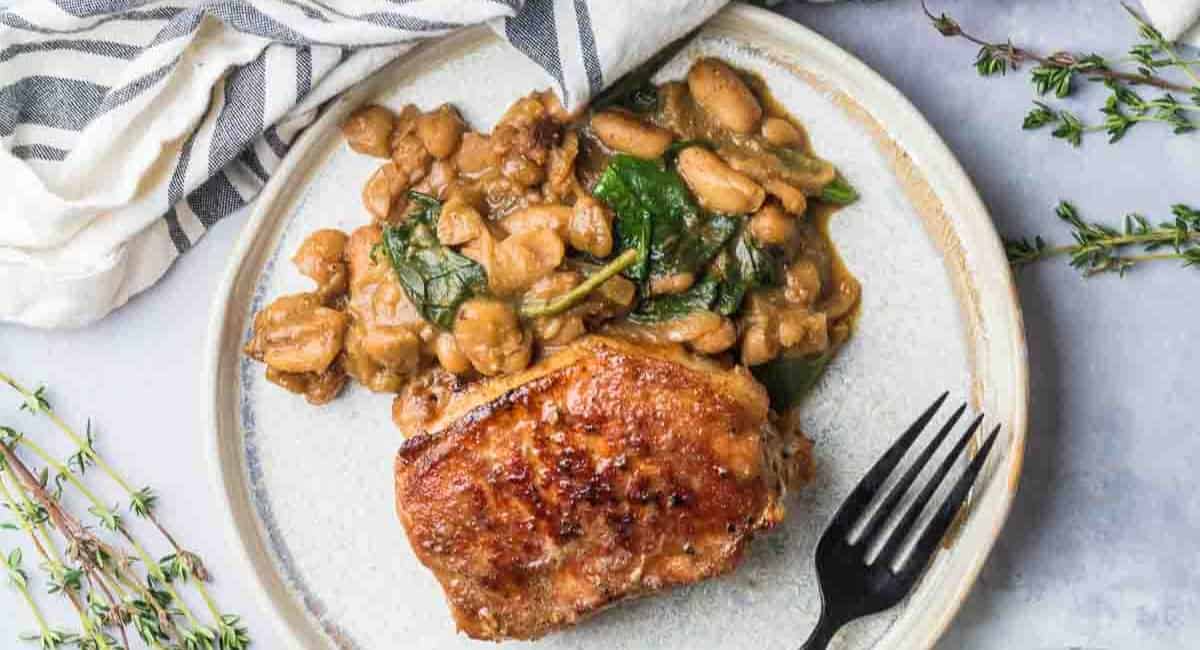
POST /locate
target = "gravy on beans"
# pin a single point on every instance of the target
(487, 251)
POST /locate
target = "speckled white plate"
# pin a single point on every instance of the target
(309, 490)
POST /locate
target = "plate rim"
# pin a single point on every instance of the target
(227, 479)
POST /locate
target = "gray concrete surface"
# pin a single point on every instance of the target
(1100, 549)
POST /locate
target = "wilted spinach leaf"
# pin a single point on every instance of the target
(740, 267)
(789, 378)
(631, 228)
(801, 162)
(660, 190)
(424, 208)
(436, 279)
(657, 216)
(701, 295)
(696, 246)
(839, 191)
(744, 266)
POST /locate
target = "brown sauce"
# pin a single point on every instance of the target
(518, 203)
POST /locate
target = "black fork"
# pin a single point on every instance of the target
(852, 587)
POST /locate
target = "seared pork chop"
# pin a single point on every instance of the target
(607, 471)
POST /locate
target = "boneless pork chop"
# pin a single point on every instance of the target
(607, 471)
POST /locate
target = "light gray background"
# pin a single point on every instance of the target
(1100, 550)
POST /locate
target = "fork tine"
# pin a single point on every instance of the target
(932, 536)
(893, 498)
(854, 505)
(888, 553)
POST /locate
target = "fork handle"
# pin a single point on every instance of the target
(827, 626)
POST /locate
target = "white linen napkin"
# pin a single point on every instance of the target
(129, 127)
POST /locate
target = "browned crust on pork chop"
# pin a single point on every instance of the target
(606, 472)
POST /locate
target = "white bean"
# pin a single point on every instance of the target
(628, 134)
(718, 186)
(722, 94)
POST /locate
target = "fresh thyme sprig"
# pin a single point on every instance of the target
(69, 581)
(1056, 74)
(1099, 248)
(18, 579)
(95, 558)
(100, 579)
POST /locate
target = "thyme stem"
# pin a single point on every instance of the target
(1156, 37)
(51, 461)
(167, 624)
(1099, 248)
(104, 466)
(181, 564)
(1015, 55)
(208, 601)
(23, 589)
(112, 602)
(1056, 74)
(26, 482)
(32, 529)
(88, 546)
(50, 554)
(153, 569)
(560, 304)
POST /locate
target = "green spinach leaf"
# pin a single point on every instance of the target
(701, 295)
(790, 378)
(697, 246)
(741, 266)
(744, 266)
(632, 225)
(800, 161)
(436, 279)
(657, 216)
(839, 191)
(424, 208)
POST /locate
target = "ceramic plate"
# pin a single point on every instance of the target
(309, 490)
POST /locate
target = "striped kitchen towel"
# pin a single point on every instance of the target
(128, 127)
